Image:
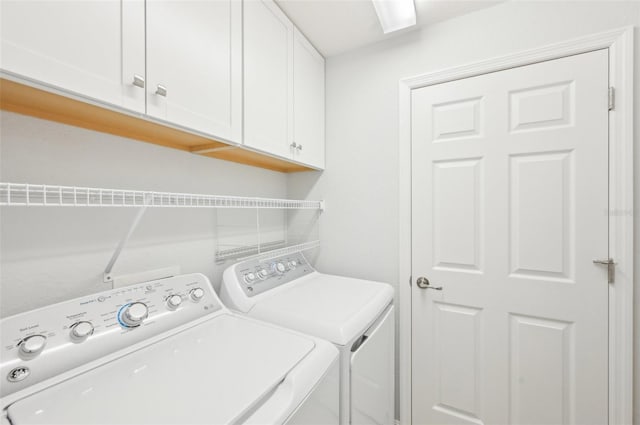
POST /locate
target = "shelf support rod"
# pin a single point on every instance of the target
(108, 278)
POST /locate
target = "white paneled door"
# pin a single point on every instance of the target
(509, 210)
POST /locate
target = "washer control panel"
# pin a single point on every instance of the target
(42, 343)
(258, 276)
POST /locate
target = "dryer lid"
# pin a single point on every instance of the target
(336, 308)
(215, 373)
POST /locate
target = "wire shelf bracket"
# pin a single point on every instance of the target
(107, 277)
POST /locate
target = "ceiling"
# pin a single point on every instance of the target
(336, 26)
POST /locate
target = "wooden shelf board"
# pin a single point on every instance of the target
(27, 100)
(248, 157)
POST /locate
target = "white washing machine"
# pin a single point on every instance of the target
(356, 315)
(163, 352)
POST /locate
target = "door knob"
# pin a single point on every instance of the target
(424, 283)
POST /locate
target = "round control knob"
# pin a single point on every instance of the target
(31, 346)
(133, 314)
(293, 264)
(280, 268)
(196, 294)
(249, 277)
(263, 273)
(174, 301)
(81, 331)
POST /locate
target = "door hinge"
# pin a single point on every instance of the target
(611, 268)
(612, 98)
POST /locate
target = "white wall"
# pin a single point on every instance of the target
(359, 229)
(52, 254)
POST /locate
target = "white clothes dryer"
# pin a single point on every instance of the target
(355, 315)
(162, 352)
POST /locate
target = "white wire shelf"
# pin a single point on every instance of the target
(20, 194)
(271, 250)
(248, 250)
(266, 256)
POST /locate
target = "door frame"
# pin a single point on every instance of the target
(619, 42)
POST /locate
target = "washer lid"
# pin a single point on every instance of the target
(335, 308)
(212, 373)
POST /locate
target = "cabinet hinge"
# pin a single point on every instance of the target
(612, 98)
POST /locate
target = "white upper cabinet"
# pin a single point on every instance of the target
(308, 102)
(184, 57)
(232, 70)
(268, 83)
(91, 48)
(283, 87)
(194, 74)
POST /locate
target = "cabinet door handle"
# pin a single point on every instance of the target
(294, 145)
(161, 90)
(138, 81)
(299, 147)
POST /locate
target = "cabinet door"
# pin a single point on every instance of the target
(308, 109)
(194, 65)
(268, 91)
(89, 48)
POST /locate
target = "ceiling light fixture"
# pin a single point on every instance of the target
(395, 15)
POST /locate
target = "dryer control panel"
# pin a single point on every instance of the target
(258, 276)
(42, 343)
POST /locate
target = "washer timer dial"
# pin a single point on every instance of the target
(132, 315)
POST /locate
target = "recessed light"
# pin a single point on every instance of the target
(395, 15)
